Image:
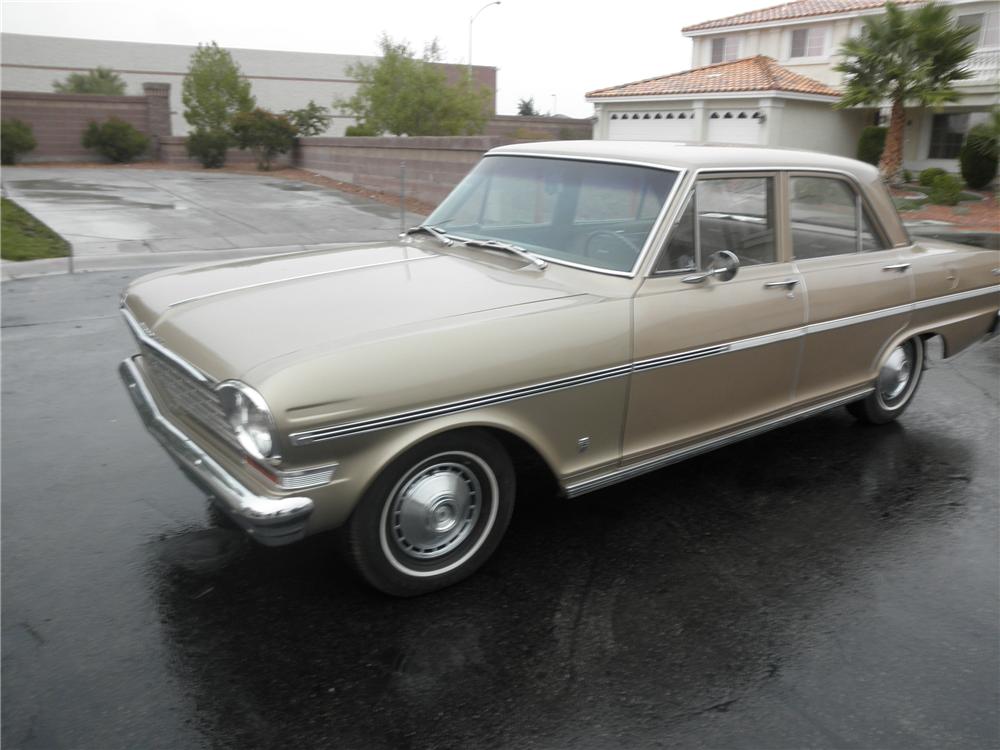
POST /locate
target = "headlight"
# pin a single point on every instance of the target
(249, 418)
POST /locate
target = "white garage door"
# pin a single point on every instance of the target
(734, 126)
(675, 125)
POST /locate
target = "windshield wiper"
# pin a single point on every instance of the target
(507, 247)
(434, 232)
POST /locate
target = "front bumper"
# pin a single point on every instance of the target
(271, 520)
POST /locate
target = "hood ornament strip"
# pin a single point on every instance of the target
(270, 282)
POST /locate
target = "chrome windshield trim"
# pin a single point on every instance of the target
(270, 282)
(658, 462)
(145, 337)
(653, 230)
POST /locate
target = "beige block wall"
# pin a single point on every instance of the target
(433, 165)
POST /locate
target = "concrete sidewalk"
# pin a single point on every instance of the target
(117, 218)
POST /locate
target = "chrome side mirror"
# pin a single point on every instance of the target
(722, 265)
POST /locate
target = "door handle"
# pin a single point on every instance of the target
(785, 284)
(896, 267)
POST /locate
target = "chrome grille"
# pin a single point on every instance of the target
(185, 396)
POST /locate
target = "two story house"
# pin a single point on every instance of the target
(767, 77)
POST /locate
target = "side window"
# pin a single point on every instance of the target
(736, 214)
(870, 240)
(825, 220)
(732, 213)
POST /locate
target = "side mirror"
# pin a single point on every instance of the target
(722, 265)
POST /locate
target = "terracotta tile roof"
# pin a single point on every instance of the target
(750, 74)
(791, 11)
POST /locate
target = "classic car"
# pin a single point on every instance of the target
(603, 308)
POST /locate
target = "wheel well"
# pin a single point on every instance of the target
(532, 470)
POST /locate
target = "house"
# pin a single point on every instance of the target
(767, 77)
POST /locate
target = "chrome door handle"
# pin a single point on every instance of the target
(786, 284)
(896, 267)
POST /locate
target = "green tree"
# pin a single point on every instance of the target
(97, 81)
(311, 120)
(264, 133)
(405, 95)
(526, 107)
(214, 89)
(904, 57)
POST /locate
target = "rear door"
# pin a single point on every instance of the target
(859, 290)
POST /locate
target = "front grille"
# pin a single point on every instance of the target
(185, 396)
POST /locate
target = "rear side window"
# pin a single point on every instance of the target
(828, 218)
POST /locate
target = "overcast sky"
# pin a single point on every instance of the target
(550, 50)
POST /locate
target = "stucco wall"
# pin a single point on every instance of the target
(280, 80)
(817, 127)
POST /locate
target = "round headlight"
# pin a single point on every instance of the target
(249, 418)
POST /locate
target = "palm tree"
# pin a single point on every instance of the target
(97, 81)
(904, 57)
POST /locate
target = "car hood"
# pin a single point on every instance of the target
(229, 319)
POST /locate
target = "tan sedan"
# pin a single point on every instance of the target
(604, 308)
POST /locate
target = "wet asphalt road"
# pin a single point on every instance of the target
(827, 585)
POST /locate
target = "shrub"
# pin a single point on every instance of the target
(946, 190)
(871, 143)
(978, 157)
(928, 175)
(16, 138)
(264, 133)
(907, 176)
(361, 130)
(311, 120)
(115, 139)
(209, 147)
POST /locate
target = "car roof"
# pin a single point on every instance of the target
(687, 156)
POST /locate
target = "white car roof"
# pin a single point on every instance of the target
(686, 156)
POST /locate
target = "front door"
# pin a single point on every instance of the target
(710, 354)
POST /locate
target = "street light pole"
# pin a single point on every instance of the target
(495, 2)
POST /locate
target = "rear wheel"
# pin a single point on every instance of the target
(895, 386)
(434, 515)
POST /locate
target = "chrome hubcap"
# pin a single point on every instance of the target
(895, 374)
(435, 510)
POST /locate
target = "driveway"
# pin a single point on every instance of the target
(827, 585)
(129, 217)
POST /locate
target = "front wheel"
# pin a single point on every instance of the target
(434, 515)
(895, 386)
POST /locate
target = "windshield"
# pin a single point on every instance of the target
(589, 213)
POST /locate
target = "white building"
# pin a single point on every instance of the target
(279, 80)
(767, 77)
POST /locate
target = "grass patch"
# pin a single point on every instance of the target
(25, 238)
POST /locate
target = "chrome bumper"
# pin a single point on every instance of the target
(272, 521)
